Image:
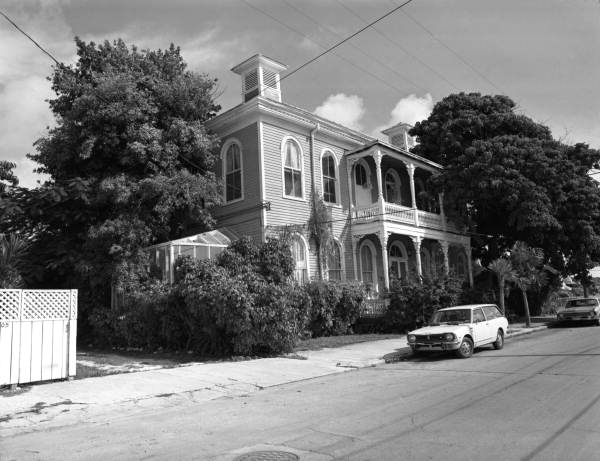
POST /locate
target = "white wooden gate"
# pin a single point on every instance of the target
(38, 331)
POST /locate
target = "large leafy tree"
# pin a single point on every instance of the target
(129, 162)
(506, 179)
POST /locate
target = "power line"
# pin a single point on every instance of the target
(455, 53)
(30, 38)
(346, 39)
(60, 64)
(369, 56)
(339, 56)
(398, 45)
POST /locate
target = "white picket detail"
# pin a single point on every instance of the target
(38, 333)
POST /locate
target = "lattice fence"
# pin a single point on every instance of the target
(38, 330)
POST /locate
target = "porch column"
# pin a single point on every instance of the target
(444, 246)
(413, 195)
(417, 243)
(355, 266)
(383, 238)
(380, 200)
(469, 263)
(349, 167)
(442, 214)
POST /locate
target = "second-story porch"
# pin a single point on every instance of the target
(395, 218)
(388, 184)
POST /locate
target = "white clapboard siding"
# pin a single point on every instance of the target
(38, 332)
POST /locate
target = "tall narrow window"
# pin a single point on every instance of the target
(366, 262)
(233, 173)
(329, 178)
(392, 187)
(334, 263)
(360, 174)
(298, 250)
(292, 169)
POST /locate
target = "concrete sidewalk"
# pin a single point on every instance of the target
(69, 402)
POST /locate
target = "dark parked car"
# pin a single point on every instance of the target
(580, 310)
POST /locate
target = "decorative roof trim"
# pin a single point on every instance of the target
(291, 113)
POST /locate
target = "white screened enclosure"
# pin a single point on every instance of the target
(200, 246)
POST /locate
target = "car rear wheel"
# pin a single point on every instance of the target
(499, 343)
(466, 349)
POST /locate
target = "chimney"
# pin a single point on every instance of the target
(260, 76)
(398, 136)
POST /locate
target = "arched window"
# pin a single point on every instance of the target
(426, 263)
(366, 264)
(298, 249)
(398, 261)
(292, 169)
(334, 262)
(328, 168)
(360, 174)
(232, 171)
(392, 186)
(461, 265)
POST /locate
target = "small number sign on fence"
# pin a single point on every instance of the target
(38, 332)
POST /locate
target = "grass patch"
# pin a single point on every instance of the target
(315, 344)
(94, 363)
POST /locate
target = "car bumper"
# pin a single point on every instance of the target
(575, 318)
(424, 347)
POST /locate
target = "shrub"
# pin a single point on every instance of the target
(413, 303)
(239, 313)
(335, 307)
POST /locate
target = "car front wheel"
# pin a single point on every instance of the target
(499, 343)
(466, 349)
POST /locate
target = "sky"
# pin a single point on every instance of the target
(544, 54)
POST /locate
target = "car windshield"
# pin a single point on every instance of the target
(454, 316)
(585, 302)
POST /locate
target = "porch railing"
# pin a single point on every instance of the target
(374, 308)
(393, 212)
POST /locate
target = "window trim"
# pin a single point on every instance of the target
(402, 260)
(362, 162)
(224, 150)
(340, 248)
(284, 142)
(299, 236)
(371, 246)
(398, 184)
(336, 167)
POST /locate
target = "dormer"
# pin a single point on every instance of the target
(398, 136)
(260, 76)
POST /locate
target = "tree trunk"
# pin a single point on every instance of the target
(526, 305)
(586, 290)
(501, 295)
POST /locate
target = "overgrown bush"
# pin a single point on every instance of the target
(412, 303)
(241, 303)
(235, 310)
(335, 307)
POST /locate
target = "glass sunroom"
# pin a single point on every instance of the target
(200, 246)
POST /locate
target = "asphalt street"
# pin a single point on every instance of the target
(537, 399)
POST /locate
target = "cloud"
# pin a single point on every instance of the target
(24, 113)
(346, 110)
(410, 109)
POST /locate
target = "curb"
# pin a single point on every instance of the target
(528, 331)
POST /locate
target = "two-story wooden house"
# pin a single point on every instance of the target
(274, 156)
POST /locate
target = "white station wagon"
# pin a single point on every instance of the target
(461, 329)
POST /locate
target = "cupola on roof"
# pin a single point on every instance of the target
(260, 76)
(398, 136)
